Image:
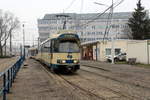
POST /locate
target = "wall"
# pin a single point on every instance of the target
(134, 48)
(140, 50)
(122, 44)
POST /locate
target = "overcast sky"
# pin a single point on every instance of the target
(29, 11)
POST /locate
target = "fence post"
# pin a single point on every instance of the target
(8, 80)
(11, 74)
(4, 86)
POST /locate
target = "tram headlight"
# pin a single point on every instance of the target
(63, 61)
(75, 61)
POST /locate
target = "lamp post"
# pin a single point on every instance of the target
(23, 41)
(112, 38)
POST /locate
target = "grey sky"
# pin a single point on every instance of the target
(29, 11)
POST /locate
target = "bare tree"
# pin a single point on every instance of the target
(8, 24)
(14, 24)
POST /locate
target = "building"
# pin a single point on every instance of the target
(99, 50)
(88, 29)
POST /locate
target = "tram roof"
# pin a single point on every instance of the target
(58, 34)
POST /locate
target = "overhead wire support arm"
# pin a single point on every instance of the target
(69, 5)
(107, 25)
(100, 14)
(65, 21)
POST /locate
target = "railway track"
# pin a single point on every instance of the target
(115, 92)
(76, 86)
(114, 79)
(86, 90)
(68, 83)
(96, 67)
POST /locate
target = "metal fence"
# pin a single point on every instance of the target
(8, 77)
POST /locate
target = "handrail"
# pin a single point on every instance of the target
(8, 77)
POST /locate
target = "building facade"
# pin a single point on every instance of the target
(90, 27)
(100, 50)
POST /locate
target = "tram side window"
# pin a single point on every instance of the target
(46, 47)
(54, 45)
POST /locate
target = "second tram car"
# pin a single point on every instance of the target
(61, 51)
(32, 52)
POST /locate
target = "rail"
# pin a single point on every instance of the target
(7, 78)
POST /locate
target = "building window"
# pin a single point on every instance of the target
(108, 51)
(93, 27)
(117, 51)
(81, 33)
(115, 26)
(99, 33)
(89, 33)
(93, 33)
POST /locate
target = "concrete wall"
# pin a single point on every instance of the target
(140, 50)
(122, 44)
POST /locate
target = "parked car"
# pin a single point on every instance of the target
(119, 57)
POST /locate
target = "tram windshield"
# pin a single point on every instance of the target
(68, 46)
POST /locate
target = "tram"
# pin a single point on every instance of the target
(61, 52)
(32, 52)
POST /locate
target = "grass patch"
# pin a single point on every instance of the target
(5, 57)
(121, 62)
(142, 65)
(137, 64)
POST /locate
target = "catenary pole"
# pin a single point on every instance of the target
(23, 41)
(112, 39)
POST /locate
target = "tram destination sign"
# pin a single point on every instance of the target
(68, 36)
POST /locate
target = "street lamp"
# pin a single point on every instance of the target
(23, 41)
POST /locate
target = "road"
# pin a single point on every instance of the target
(93, 81)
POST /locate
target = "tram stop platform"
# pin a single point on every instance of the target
(31, 83)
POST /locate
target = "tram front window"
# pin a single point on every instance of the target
(68, 46)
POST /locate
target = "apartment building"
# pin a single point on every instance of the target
(87, 28)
